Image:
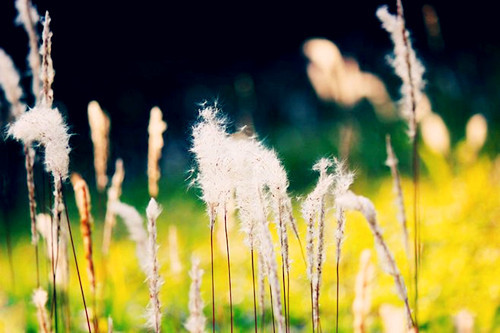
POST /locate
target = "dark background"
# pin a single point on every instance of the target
(130, 56)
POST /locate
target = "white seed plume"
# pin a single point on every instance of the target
(196, 320)
(47, 127)
(406, 65)
(351, 201)
(114, 193)
(155, 281)
(57, 250)
(28, 17)
(343, 180)
(156, 128)
(10, 83)
(99, 132)
(313, 211)
(392, 163)
(135, 226)
(362, 300)
(39, 299)
(213, 161)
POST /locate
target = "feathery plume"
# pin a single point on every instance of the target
(362, 300)
(155, 129)
(392, 163)
(46, 126)
(153, 275)
(28, 17)
(351, 201)
(47, 73)
(82, 198)
(135, 226)
(313, 211)
(173, 250)
(57, 253)
(114, 193)
(10, 83)
(39, 299)
(99, 132)
(196, 321)
(406, 65)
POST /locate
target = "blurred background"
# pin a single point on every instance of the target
(251, 58)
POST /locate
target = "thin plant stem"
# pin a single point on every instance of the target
(272, 309)
(212, 265)
(284, 291)
(288, 294)
(338, 288)
(229, 271)
(313, 323)
(254, 296)
(30, 181)
(76, 262)
(416, 238)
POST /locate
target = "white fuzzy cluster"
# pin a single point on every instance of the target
(10, 83)
(47, 127)
(196, 320)
(406, 65)
(155, 281)
(210, 147)
(135, 226)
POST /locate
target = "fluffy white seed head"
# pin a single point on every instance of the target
(47, 127)
(406, 65)
(153, 210)
(10, 83)
(196, 321)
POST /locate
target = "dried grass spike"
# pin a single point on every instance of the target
(39, 299)
(155, 129)
(196, 321)
(10, 83)
(114, 193)
(47, 73)
(99, 132)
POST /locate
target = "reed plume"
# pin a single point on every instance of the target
(196, 320)
(156, 128)
(99, 132)
(351, 201)
(362, 299)
(82, 198)
(313, 211)
(155, 281)
(392, 163)
(10, 83)
(411, 71)
(114, 193)
(39, 299)
(28, 17)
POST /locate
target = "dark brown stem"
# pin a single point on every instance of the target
(313, 322)
(254, 296)
(212, 222)
(288, 294)
(284, 291)
(272, 308)
(338, 288)
(76, 261)
(229, 271)
(416, 238)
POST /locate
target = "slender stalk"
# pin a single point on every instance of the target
(30, 181)
(284, 293)
(288, 299)
(229, 270)
(212, 265)
(313, 323)
(74, 256)
(416, 222)
(272, 309)
(338, 288)
(254, 296)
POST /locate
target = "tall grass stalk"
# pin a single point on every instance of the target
(82, 198)
(196, 320)
(99, 133)
(228, 270)
(362, 299)
(351, 201)
(411, 71)
(39, 299)
(114, 193)
(155, 144)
